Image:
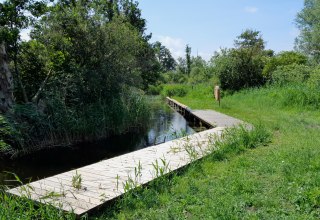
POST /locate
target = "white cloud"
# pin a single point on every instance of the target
(25, 34)
(251, 9)
(175, 45)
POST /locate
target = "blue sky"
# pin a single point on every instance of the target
(207, 25)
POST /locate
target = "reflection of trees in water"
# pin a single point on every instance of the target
(169, 126)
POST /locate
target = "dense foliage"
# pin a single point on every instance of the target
(241, 67)
(308, 21)
(78, 77)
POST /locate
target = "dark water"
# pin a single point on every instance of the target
(165, 125)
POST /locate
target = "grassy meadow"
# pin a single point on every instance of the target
(276, 179)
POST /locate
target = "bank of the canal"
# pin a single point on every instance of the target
(164, 125)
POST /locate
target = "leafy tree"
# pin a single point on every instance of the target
(132, 13)
(200, 72)
(83, 69)
(16, 15)
(164, 57)
(35, 65)
(181, 65)
(250, 39)
(148, 64)
(308, 21)
(188, 59)
(241, 67)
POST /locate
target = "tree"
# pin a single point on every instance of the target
(181, 65)
(241, 67)
(250, 39)
(83, 69)
(188, 59)
(6, 82)
(199, 70)
(164, 57)
(132, 13)
(35, 65)
(16, 15)
(308, 21)
(99, 57)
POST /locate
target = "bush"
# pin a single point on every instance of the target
(239, 69)
(314, 78)
(293, 73)
(154, 90)
(179, 90)
(174, 77)
(283, 59)
(199, 75)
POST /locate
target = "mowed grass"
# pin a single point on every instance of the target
(278, 181)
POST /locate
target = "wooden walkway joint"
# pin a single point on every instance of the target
(89, 187)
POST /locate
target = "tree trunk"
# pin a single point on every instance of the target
(6, 82)
(36, 97)
(17, 75)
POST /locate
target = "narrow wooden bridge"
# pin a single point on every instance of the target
(84, 189)
(208, 118)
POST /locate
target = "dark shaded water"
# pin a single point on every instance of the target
(165, 125)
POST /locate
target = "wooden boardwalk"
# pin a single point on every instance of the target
(216, 119)
(108, 179)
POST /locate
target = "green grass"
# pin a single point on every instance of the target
(24, 208)
(278, 181)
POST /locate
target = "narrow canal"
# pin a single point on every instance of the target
(164, 125)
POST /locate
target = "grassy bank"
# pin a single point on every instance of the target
(24, 208)
(27, 128)
(277, 181)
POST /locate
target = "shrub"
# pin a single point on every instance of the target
(283, 59)
(314, 79)
(199, 75)
(293, 73)
(179, 90)
(174, 77)
(154, 90)
(238, 69)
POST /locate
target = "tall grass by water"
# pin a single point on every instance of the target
(29, 129)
